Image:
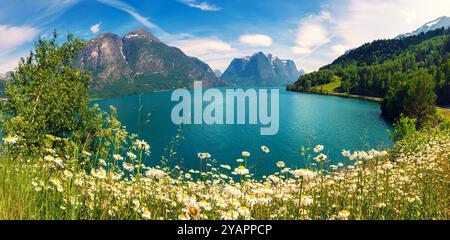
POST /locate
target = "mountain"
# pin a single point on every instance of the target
(139, 62)
(218, 73)
(4, 78)
(442, 22)
(260, 70)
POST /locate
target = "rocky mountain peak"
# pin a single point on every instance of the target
(141, 33)
(260, 69)
(140, 62)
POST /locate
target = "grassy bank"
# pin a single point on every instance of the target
(445, 112)
(409, 181)
(347, 95)
(331, 88)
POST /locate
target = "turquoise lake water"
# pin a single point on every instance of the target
(305, 120)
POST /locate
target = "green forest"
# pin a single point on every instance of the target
(411, 74)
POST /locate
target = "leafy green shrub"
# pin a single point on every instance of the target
(48, 96)
(403, 127)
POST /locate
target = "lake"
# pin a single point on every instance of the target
(305, 120)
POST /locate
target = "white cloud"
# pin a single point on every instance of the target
(214, 51)
(201, 46)
(257, 40)
(12, 36)
(312, 33)
(300, 50)
(364, 20)
(9, 62)
(339, 49)
(95, 28)
(204, 6)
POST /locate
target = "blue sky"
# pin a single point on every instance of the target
(311, 32)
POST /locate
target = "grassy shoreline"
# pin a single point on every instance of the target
(343, 95)
(329, 89)
(443, 111)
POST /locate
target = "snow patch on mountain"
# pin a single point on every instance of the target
(442, 22)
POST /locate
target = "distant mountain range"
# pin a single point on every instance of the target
(138, 63)
(6, 76)
(3, 79)
(442, 22)
(261, 70)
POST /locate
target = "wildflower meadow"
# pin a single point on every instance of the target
(407, 182)
(61, 158)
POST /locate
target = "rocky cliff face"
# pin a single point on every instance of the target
(261, 70)
(139, 63)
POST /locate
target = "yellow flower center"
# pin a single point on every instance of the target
(345, 212)
(193, 211)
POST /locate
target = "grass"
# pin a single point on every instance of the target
(445, 112)
(331, 90)
(408, 182)
(329, 87)
(347, 95)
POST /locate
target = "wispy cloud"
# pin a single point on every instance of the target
(204, 6)
(50, 10)
(130, 10)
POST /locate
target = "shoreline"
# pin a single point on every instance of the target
(342, 95)
(443, 110)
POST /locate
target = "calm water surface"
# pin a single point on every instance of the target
(305, 120)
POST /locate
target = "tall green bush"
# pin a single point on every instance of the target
(48, 96)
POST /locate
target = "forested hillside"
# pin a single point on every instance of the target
(390, 68)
